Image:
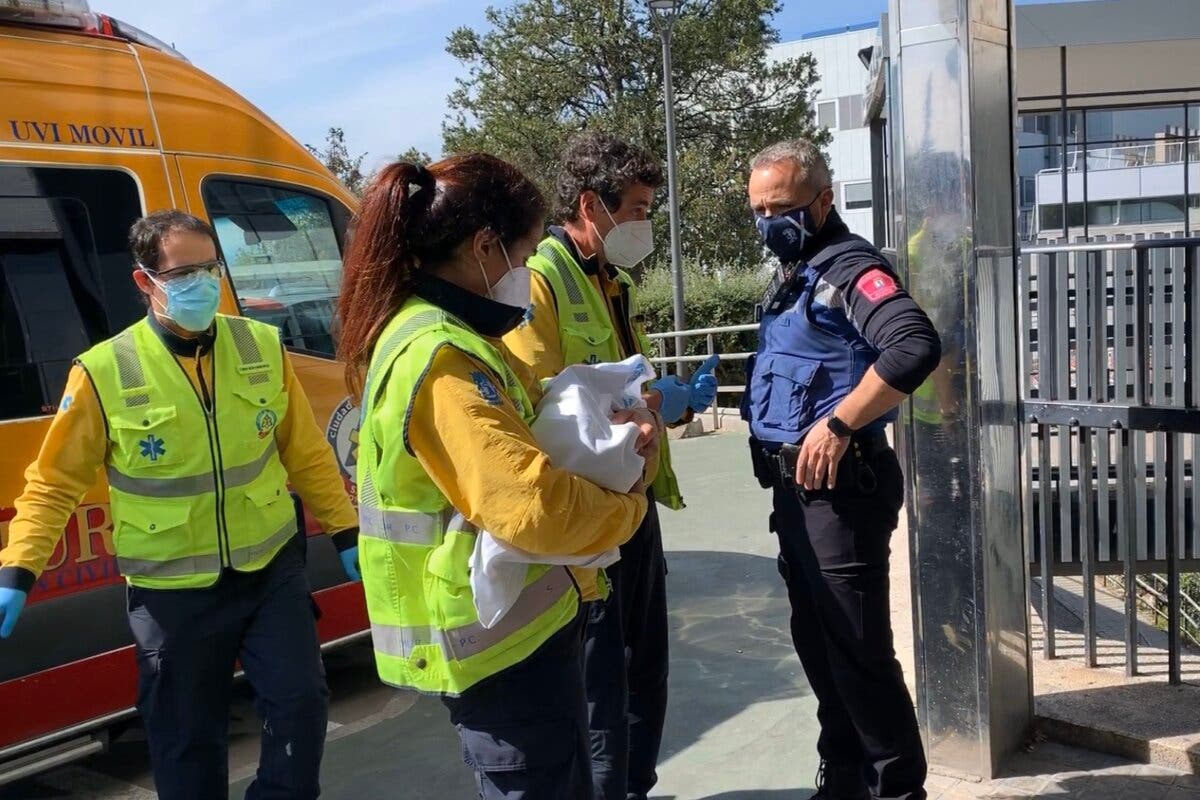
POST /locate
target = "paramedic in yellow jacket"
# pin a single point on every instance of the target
(200, 424)
(434, 278)
(585, 310)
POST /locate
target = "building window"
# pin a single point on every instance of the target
(856, 196)
(827, 114)
(850, 111)
(64, 276)
(282, 245)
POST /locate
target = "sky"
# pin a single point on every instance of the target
(376, 68)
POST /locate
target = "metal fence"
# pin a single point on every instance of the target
(678, 358)
(1112, 412)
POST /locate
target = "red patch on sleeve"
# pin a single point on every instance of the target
(876, 285)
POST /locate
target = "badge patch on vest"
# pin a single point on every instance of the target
(528, 318)
(65, 405)
(487, 389)
(152, 447)
(877, 285)
(266, 422)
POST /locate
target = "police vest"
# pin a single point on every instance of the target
(194, 489)
(588, 335)
(810, 356)
(414, 549)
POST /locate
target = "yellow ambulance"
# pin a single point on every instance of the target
(101, 123)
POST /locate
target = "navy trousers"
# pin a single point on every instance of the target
(833, 555)
(188, 642)
(625, 667)
(524, 730)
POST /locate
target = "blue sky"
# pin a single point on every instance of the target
(377, 68)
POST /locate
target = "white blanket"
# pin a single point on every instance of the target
(574, 426)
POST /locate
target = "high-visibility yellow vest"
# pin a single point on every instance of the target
(588, 335)
(414, 549)
(194, 489)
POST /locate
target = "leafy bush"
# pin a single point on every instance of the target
(712, 299)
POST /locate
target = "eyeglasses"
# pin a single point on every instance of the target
(214, 269)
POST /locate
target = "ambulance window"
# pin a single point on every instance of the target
(283, 249)
(64, 276)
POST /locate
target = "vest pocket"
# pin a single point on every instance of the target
(269, 504)
(153, 529)
(789, 400)
(585, 344)
(146, 438)
(264, 407)
(447, 581)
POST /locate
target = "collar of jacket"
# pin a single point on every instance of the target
(180, 345)
(483, 314)
(590, 266)
(833, 230)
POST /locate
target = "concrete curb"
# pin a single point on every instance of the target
(1177, 755)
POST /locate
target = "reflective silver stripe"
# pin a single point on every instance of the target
(470, 640)
(240, 476)
(161, 487)
(400, 641)
(551, 253)
(190, 485)
(399, 527)
(174, 568)
(245, 555)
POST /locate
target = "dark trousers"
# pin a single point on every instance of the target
(625, 667)
(188, 642)
(834, 548)
(524, 730)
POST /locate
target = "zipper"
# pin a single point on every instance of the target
(216, 435)
(203, 400)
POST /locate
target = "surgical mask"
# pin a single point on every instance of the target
(628, 243)
(786, 234)
(513, 288)
(192, 300)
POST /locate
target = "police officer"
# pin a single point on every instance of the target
(585, 311)
(200, 424)
(840, 345)
(434, 278)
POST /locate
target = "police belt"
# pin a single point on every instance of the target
(775, 465)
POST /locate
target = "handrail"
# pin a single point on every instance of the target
(1100, 247)
(704, 331)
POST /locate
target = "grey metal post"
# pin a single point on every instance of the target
(666, 12)
(952, 62)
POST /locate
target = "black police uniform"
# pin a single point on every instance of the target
(846, 313)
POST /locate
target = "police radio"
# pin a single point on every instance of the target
(784, 287)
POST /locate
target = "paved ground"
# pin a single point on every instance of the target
(741, 724)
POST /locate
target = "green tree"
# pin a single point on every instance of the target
(415, 155)
(337, 159)
(548, 68)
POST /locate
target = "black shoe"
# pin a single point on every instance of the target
(840, 782)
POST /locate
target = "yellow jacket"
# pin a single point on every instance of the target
(76, 446)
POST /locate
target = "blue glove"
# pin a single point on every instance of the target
(704, 385)
(11, 603)
(675, 394)
(350, 563)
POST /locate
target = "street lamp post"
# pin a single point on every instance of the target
(665, 12)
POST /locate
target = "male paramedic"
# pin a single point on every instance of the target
(584, 310)
(200, 424)
(840, 346)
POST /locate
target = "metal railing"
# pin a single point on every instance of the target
(1112, 414)
(680, 338)
(1156, 587)
(1150, 154)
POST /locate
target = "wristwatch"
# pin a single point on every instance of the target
(837, 427)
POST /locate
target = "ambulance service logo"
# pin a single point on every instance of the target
(342, 435)
(266, 422)
(487, 389)
(152, 447)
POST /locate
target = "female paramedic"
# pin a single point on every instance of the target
(434, 277)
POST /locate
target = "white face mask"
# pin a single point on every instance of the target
(513, 288)
(629, 243)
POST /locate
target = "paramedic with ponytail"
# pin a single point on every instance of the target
(434, 278)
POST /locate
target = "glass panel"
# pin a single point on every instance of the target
(1043, 128)
(827, 114)
(281, 245)
(1040, 175)
(850, 111)
(1106, 125)
(856, 195)
(64, 276)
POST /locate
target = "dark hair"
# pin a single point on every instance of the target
(146, 235)
(605, 165)
(412, 220)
